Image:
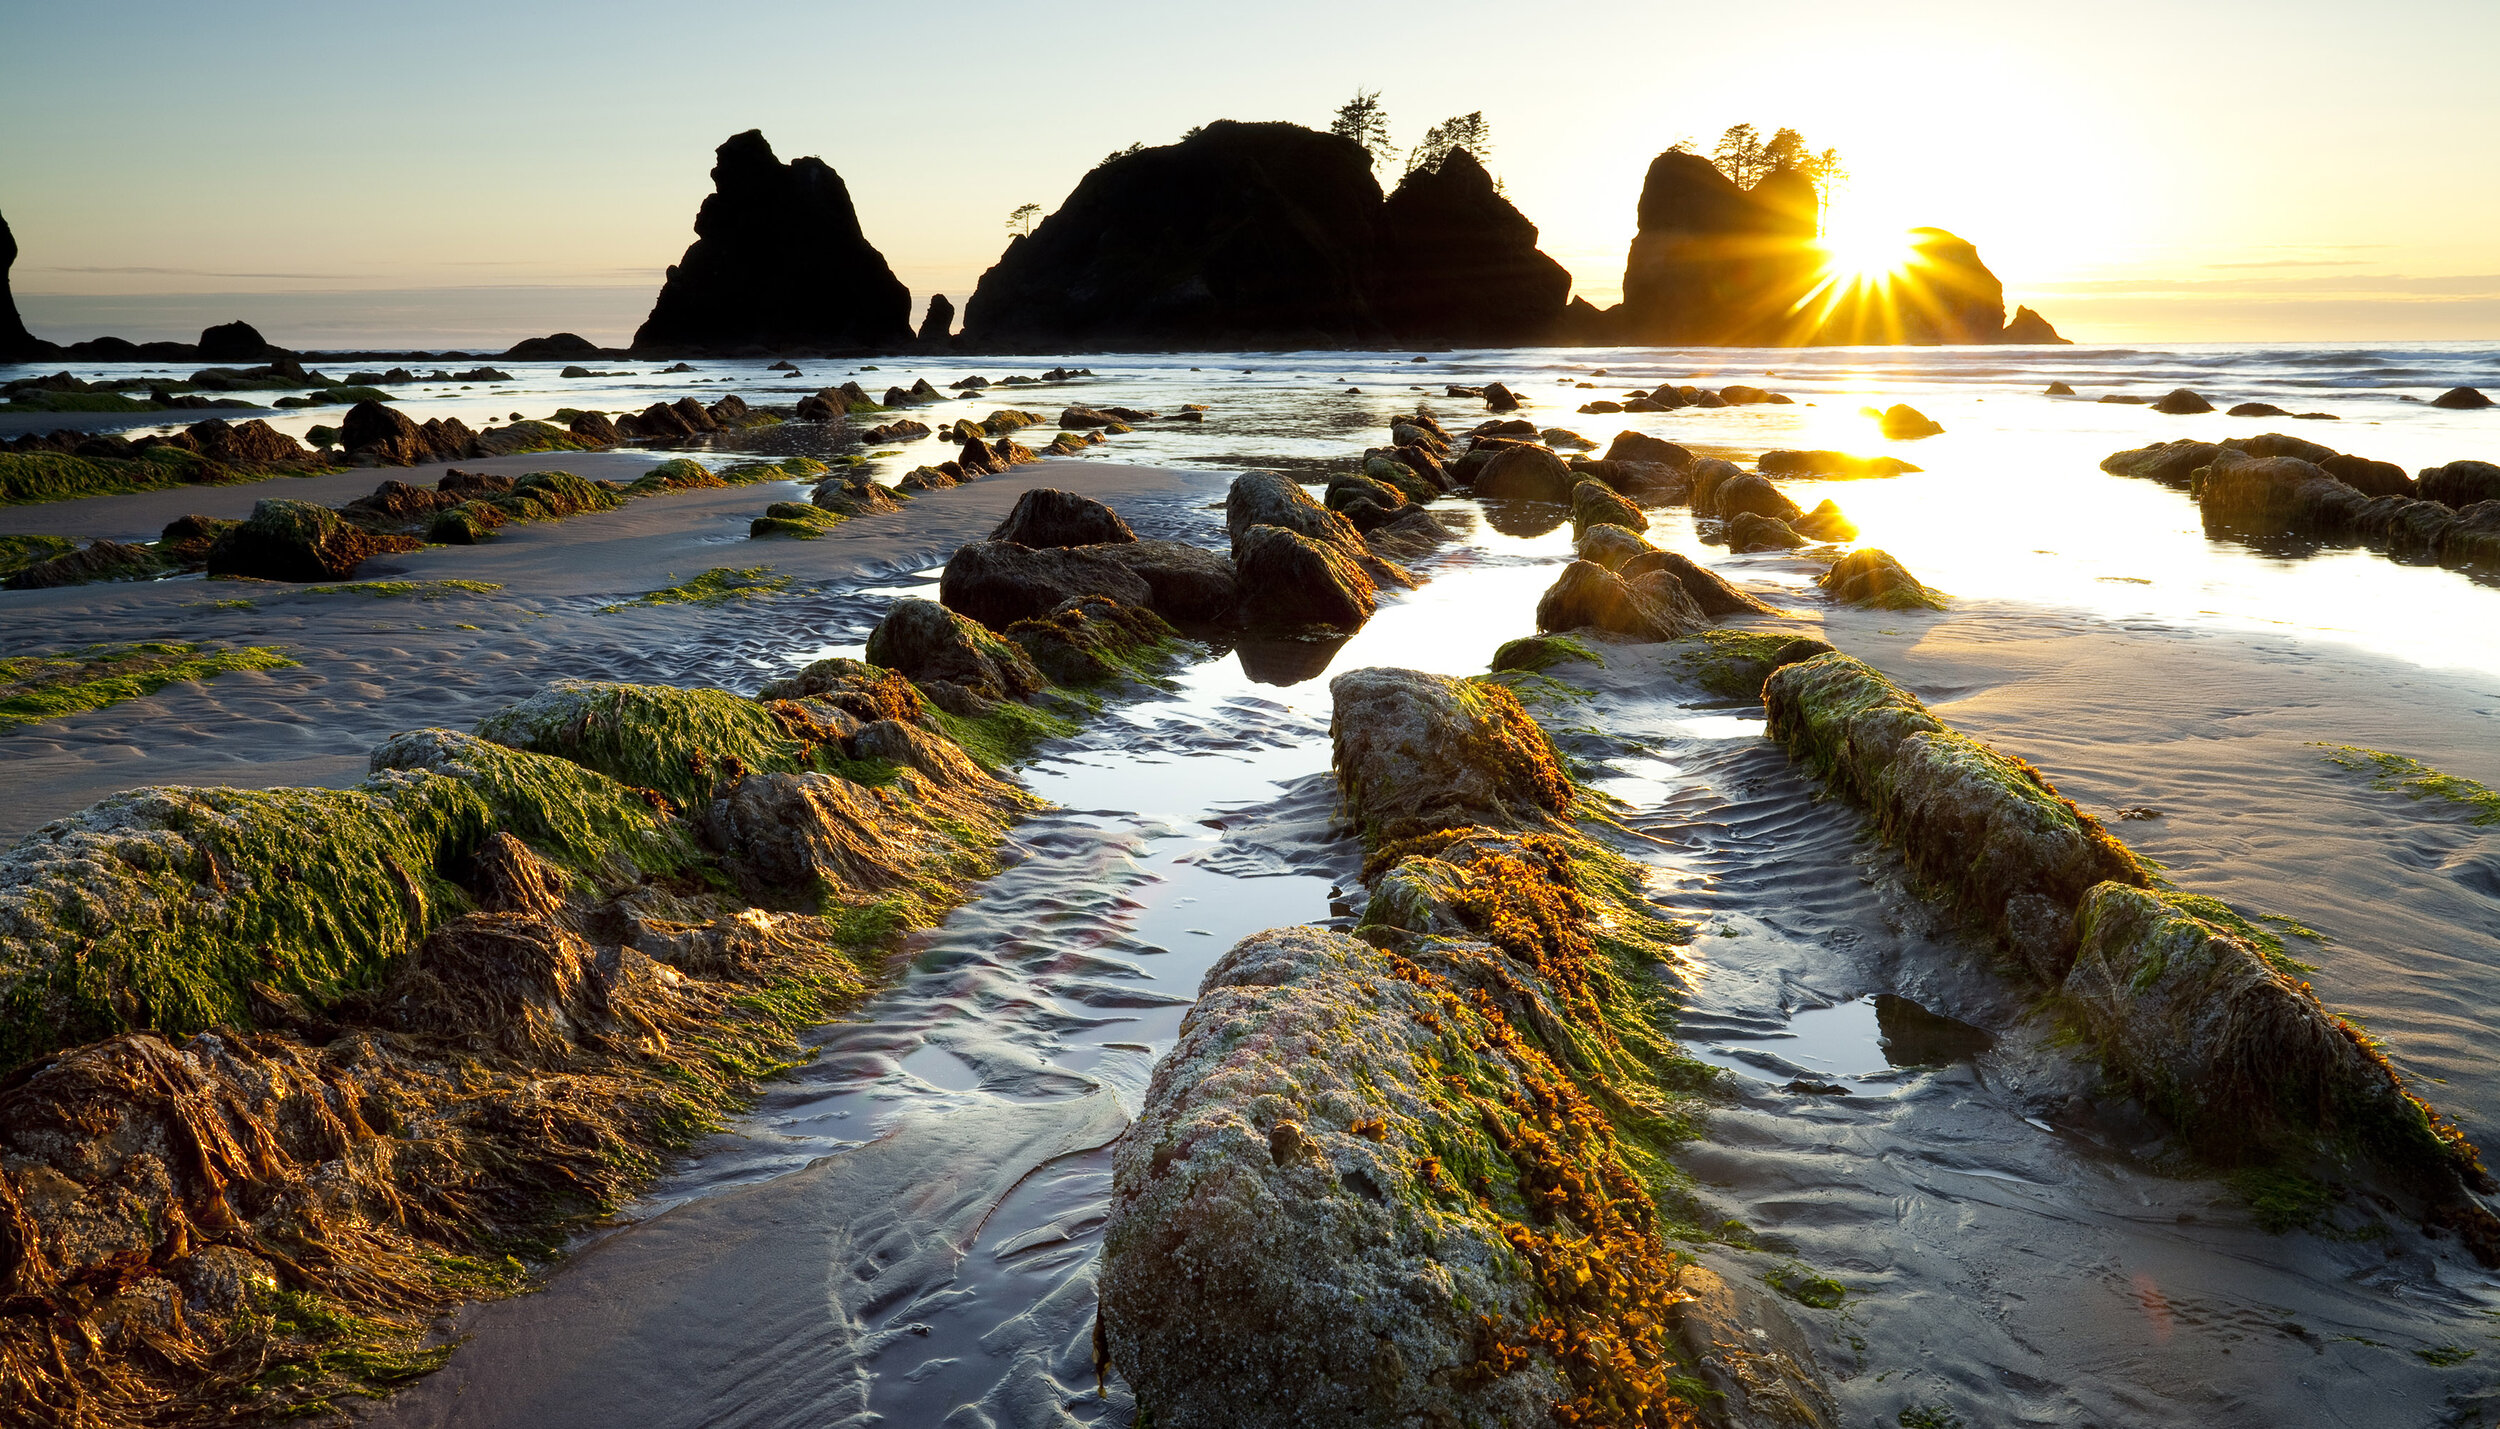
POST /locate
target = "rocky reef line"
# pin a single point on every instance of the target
(290, 1073)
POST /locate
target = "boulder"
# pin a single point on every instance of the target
(778, 261)
(1588, 595)
(1416, 753)
(2170, 463)
(2462, 399)
(1838, 465)
(999, 583)
(1091, 640)
(1749, 494)
(938, 323)
(1647, 483)
(594, 429)
(1045, 516)
(1609, 546)
(2461, 483)
(236, 342)
(1642, 447)
(853, 494)
(372, 432)
(1871, 577)
(1749, 532)
(2181, 402)
(927, 642)
(555, 347)
(1363, 502)
(284, 540)
(98, 560)
(1460, 263)
(1187, 584)
(1824, 523)
(249, 443)
(2370, 478)
(1710, 593)
(1524, 473)
(2056, 389)
(1708, 474)
(2277, 444)
(2256, 409)
(1409, 532)
(1499, 398)
(1903, 422)
(1263, 498)
(1288, 579)
(1407, 478)
(828, 405)
(1596, 504)
(2031, 329)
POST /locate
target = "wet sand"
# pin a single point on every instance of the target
(371, 667)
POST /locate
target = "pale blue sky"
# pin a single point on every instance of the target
(2137, 170)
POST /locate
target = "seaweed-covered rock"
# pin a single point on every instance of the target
(1416, 752)
(2239, 1053)
(1363, 502)
(861, 690)
(1595, 504)
(96, 561)
(2015, 856)
(853, 494)
(372, 432)
(2170, 463)
(1609, 545)
(799, 834)
(1646, 608)
(1269, 1260)
(575, 814)
(1091, 639)
(1747, 493)
(1706, 476)
(103, 928)
(2370, 478)
(677, 742)
(1187, 583)
(1264, 498)
(1902, 422)
(779, 261)
(928, 642)
(284, 540)
(186, 540)
(999, 583)
(2461, 483)
(245, 444)
(1824, 523)
(1415, 476)
(1045, 516)
(1873, 578)
(1641, 446)
(1710, 592)
(1749, 532)
(2279, 444)
(1287, 579)
(1524, 472)
(2180, 402)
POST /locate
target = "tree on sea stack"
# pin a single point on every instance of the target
(1362, 120)
(1021, 219)
(1464, 131)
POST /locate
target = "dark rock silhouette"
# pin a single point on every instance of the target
(778, 262)
(555, 347)
(1239, 235)
(938, 324)
(2027, 326)
(16, 343)
(236, 342)
(1461, 264)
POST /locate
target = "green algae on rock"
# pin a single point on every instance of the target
(1094, 639)
(564, 808)
(41, 687)
(1736, 663)
(2401, 774)
(1417, 753)
(713, 587)
(1870, 577)
(97, 561)
(678, 741)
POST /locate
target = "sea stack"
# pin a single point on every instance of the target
(16, 343)
(1241, 235)
(778, 264)
(1462, 262)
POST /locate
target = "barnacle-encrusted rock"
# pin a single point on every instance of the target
(1092, 639)
(1418, 752)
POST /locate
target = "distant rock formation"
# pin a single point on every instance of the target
(1239, 235)
(778, 263)
(555, 347)
(236, 342)
(16, 343)
(1713, 263)
(938, 324)
(1461, 263)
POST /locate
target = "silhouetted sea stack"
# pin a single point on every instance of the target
(778, 264)
(1249, 235)
(1462, 265)
(236, 342)
(554, 347)
(16, 343)
(2027, 326)
(938, 324)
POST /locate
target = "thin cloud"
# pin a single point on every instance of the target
(2294, 263)
(201, 273)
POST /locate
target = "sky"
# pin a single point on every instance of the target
(470, 173)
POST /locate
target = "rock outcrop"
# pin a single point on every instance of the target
(1045, 516)
(1460, 263)
(937, 325)
(16, 343)
(779, 263)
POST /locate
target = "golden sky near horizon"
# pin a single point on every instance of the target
(2138, 172)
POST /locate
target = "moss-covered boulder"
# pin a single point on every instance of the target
(2170, 463)
(2239, 1053)
(1825, 523)
(1610, 545)
(2004, 846)
(1417, 753)
(1288, 580)
(466, 524)
(1749, 532)
(1870, 577)
(1402, 477)
(1594, 503)
(284, 540)
(1092, 640)
(680, 743)
(1746, 493)
(575, 814)
(1291, 1237)
(853, 494)
(928, 643)
(1707, 587)
(1045, 516)
(1524, 472)
(797, 520)
(160, 909)
(999, 582)
(1185, 584)
(865, 692)
(1588, 596)
(97, 561)
(1363, 502)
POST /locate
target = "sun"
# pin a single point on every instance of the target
(1866, 255)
